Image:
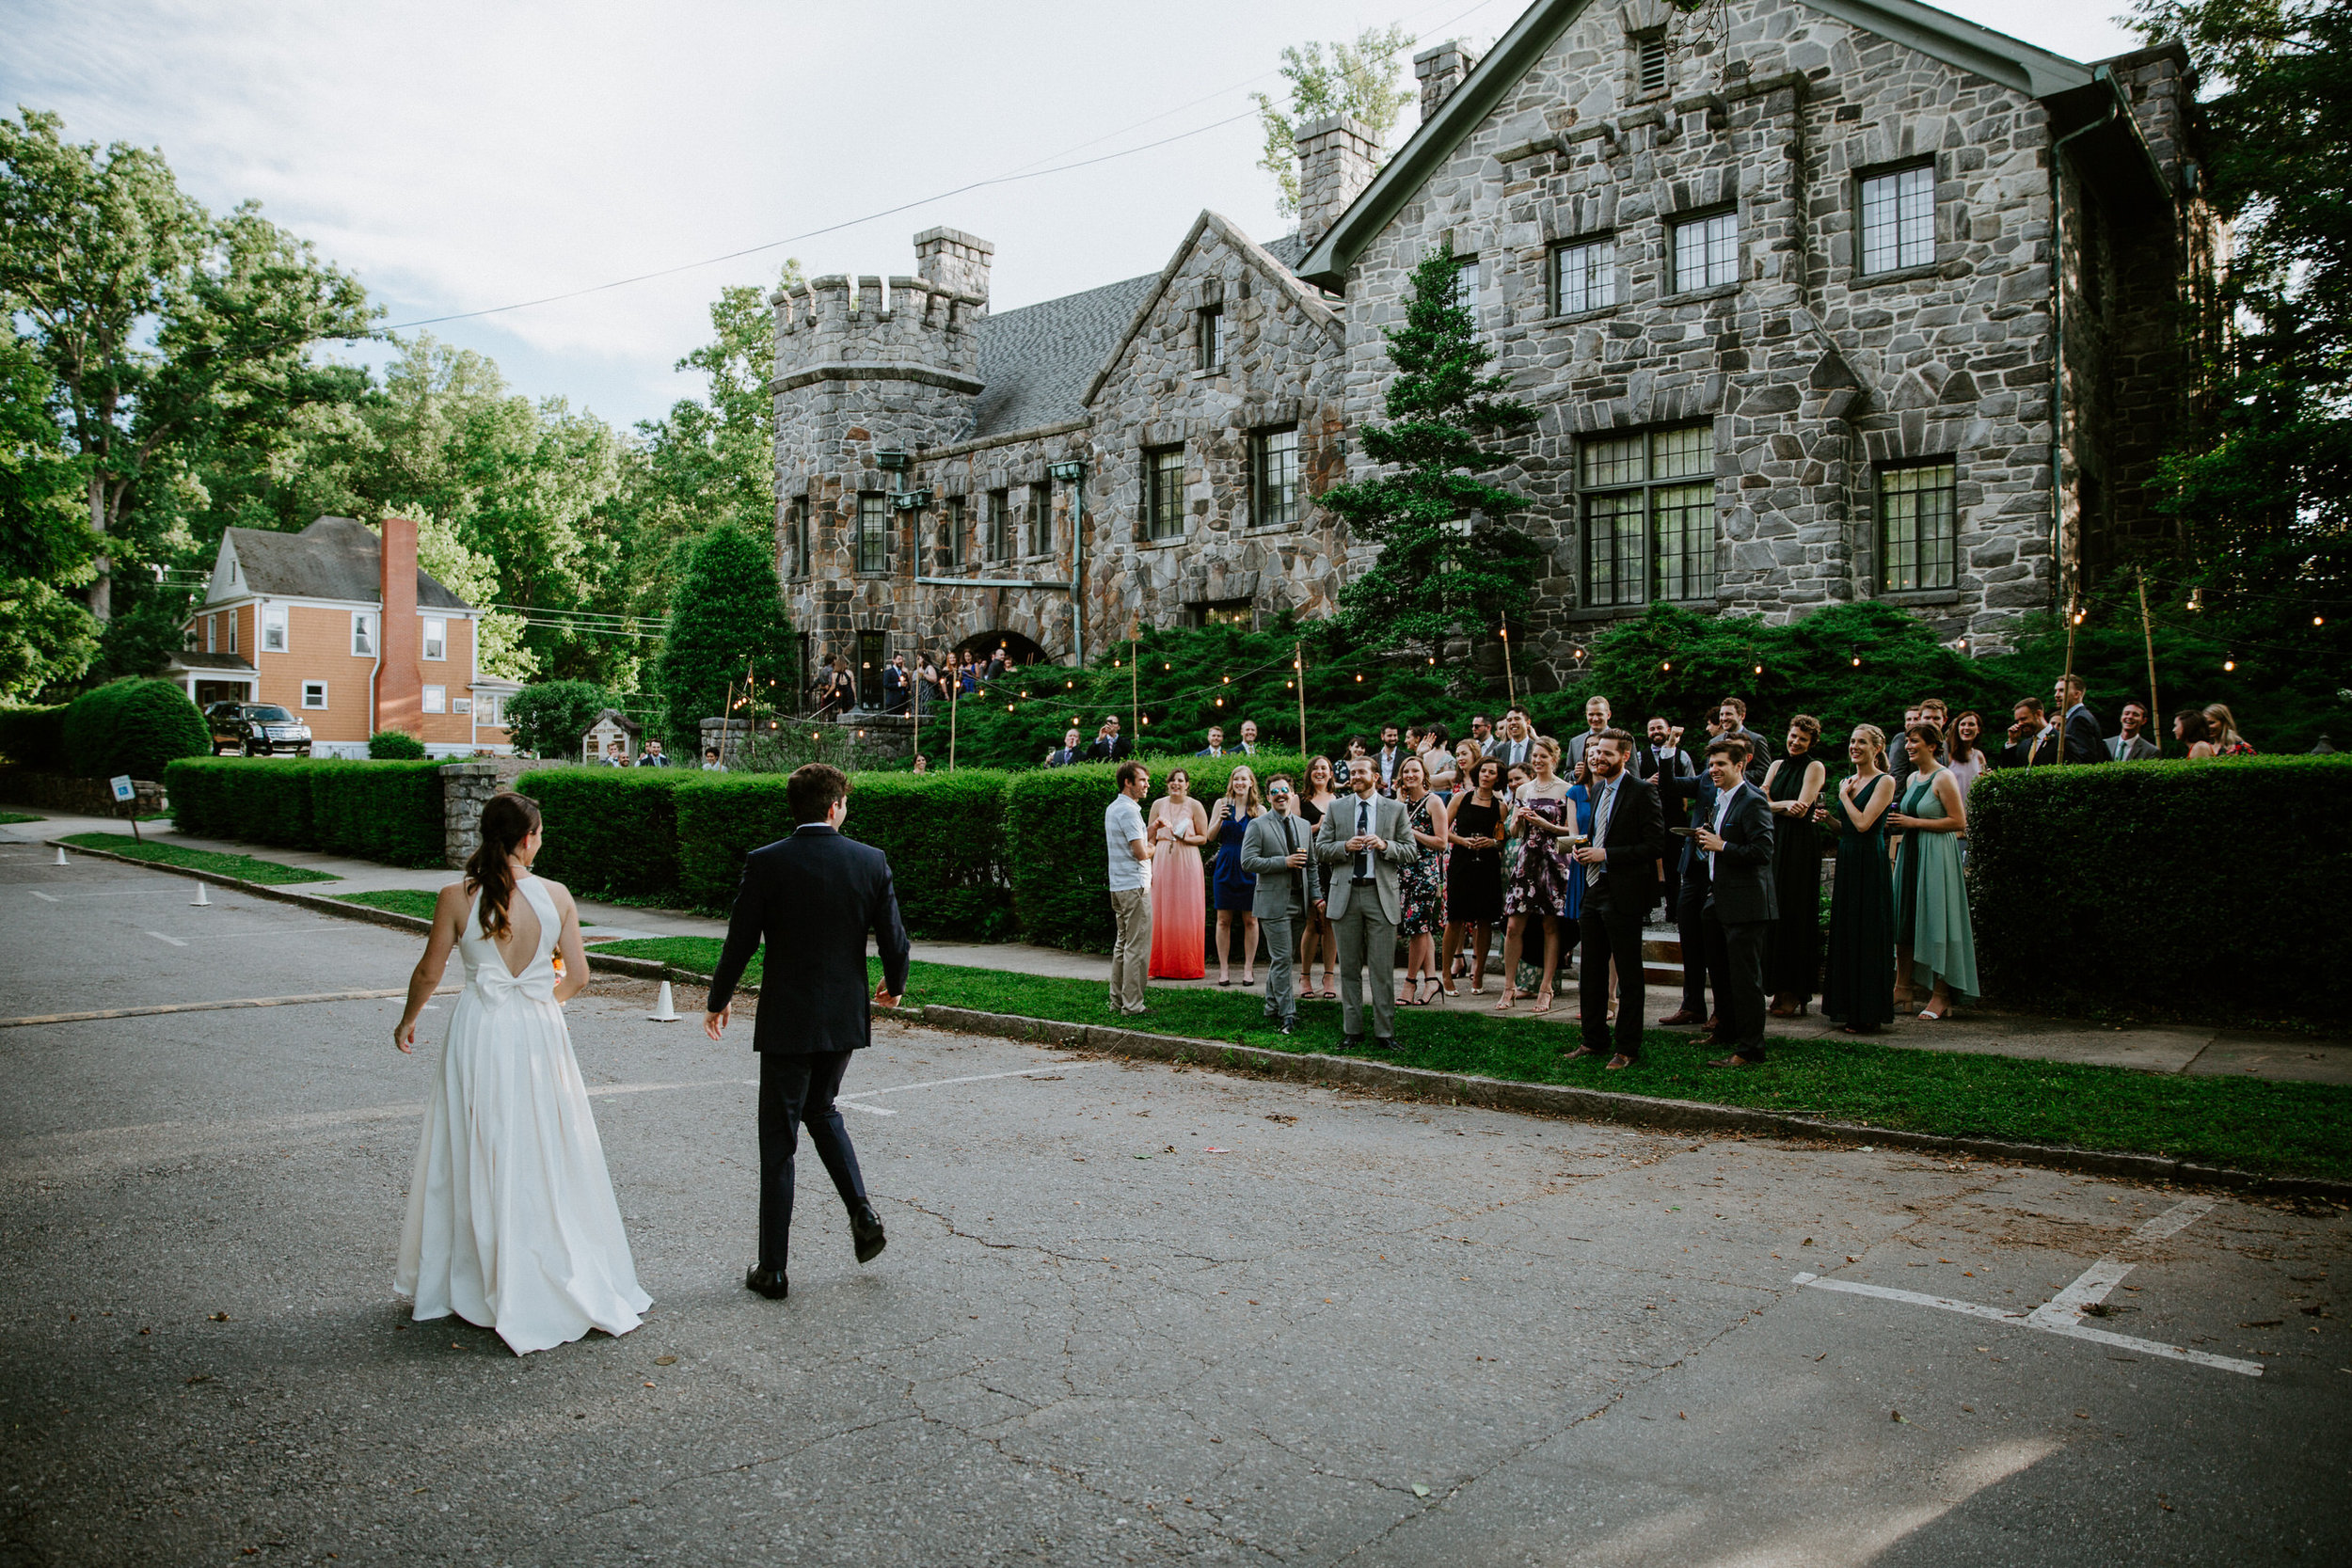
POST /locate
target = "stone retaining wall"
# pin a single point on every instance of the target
(467, 787)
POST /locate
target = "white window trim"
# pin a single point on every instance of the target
(274, 618)
(310, 706)
(426, 641)
(363, 626)
(212, 628)
(232, 631)
(436, 699)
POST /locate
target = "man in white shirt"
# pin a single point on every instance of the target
(1249, 738)
(2128, 744)
(1391, 752)
(1516, 743)
(1130, 888)
(1482, 735)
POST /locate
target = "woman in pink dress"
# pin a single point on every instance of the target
(1180, 898)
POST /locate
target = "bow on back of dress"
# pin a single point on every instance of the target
(485, 966)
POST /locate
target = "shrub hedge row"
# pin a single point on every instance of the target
(2183, 887)
(34, 737)
(389, 812)
(133, 725)
(611, 831)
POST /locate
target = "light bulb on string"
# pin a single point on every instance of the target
(1857, 661)
(1759, 669)
(1228, 680)
(2319, 620)
(1667, 667)
(2230, 663)
(1360, 679)
(1221, 702)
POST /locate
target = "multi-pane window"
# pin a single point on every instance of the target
(1898, 219)
(435, 637)
(362, 634)
(873, 531)
(1212, 336)
(1274, 478)
(1466, 286)
(233, 617)
(1584, 276)
(314, 694)
(1164, 492)
(274, 629)
(1706, 251)
(1040, 517)
(436, 699)
(1649, 64)
(1918, 525)
(953, 551)
(999, 525)
(796, 542)
(1649, 515)
(212, 634)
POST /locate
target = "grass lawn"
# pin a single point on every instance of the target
(10, 817)
(407, 900)
(2281, 1127)
(243, 867)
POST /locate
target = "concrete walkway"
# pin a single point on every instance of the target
(2193, 1050)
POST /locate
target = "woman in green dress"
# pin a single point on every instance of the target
(1860, 990)
(1935, 943)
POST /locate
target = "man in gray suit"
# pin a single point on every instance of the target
(1364, 838)
(1276, 850)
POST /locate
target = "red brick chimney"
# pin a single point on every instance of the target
(399, 685)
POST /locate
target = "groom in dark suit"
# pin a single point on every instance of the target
(1736, 840)
(1620, 874)
(811, 899)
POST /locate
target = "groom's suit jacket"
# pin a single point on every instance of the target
(1389, 824)
(811, 899)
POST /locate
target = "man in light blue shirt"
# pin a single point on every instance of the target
(1130, 856)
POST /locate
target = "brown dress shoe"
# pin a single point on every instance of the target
(1735, 1059)
(1619, 1061)
(1579, 1053)
(1681, 1015)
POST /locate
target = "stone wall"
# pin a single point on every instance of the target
(467, 787)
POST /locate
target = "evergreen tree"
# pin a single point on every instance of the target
(1449, 562)
(726, 614)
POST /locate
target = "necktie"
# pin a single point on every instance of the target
(1362, 869)
(1298, 880)
(1600, 831)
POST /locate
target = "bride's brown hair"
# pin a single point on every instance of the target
(506, 821)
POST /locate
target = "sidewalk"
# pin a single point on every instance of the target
(2192, 1050)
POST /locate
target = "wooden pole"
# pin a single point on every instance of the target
(726, 722)
(955, 690)
(2148, 634)
(1135, 691)
(914, 706)
(2065, 699)
(1298, 656)
(1510, 685)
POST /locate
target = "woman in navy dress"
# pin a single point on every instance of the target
(1235, 890)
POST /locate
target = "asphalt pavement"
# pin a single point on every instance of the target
(1128, 1313)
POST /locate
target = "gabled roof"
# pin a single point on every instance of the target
(1272, 265)
(2011, 62)
(187, 659)
(335, 558)
(1038, 364)
(620, 720)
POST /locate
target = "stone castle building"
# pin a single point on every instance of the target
(1820, 300)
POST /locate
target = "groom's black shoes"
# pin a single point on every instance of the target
(770, 1282)
(865, 1230)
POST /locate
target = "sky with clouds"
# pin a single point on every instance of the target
(463, 155)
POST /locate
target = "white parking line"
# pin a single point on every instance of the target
(44, 897)
(160, 937)
(2063, 1314)
(1056, 1070)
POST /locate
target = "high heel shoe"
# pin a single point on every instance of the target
(1510, 995)
(1543, 1003)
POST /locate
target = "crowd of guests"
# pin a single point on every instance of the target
(929, 681)
(1512, 835)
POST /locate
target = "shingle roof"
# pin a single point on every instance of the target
(1036, 361)
(236, 663)
(335, 558)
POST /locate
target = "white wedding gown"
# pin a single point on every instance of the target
(512, 1222)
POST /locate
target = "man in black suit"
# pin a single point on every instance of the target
(1741, 908)
(1069, 754)
(811, 899)
(2079, 728)
(1109, 745)
(1620, 869)
(897, 683)
(1662, 752)
(1732, 717)
(1691, 799)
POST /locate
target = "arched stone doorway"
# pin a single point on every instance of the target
(1019, 650)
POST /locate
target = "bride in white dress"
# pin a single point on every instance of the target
(512, 1222)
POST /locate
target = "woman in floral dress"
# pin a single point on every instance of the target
(1421, 884)
(1543, 817)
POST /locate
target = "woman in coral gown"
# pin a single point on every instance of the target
(1179, 896)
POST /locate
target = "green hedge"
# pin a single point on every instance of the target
(2191, 888)
(943, 833)
(34, 737)
(388, 812)
(611, 831)
(1053, 839)
(133, 725)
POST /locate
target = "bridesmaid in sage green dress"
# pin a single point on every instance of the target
(1860, 990)
(1934, 941)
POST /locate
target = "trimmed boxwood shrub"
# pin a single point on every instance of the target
(34, 737)
(133, 725)
(389, 812)
(1053, 839)
(395, 746)
(2174, 887)
(611, 831)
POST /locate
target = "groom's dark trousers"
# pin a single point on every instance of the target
(811, 901)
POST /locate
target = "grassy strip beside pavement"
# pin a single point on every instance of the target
(695, 954)
(8, 818)
(2286, 1129)
(244, 867)
(417, 901)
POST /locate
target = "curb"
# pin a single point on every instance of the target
(319, 903)
(1495, 1094)
(1598, 1104)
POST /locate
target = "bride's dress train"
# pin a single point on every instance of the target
(512, 1222)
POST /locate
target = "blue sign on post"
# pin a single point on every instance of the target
(123, 791)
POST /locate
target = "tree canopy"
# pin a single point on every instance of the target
(727, 628)
(1358, 79)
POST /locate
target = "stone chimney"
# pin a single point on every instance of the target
(950, 262)
(1338, 155)
(399, 637)
(1441, 69)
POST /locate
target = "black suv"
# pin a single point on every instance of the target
(257, 729)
